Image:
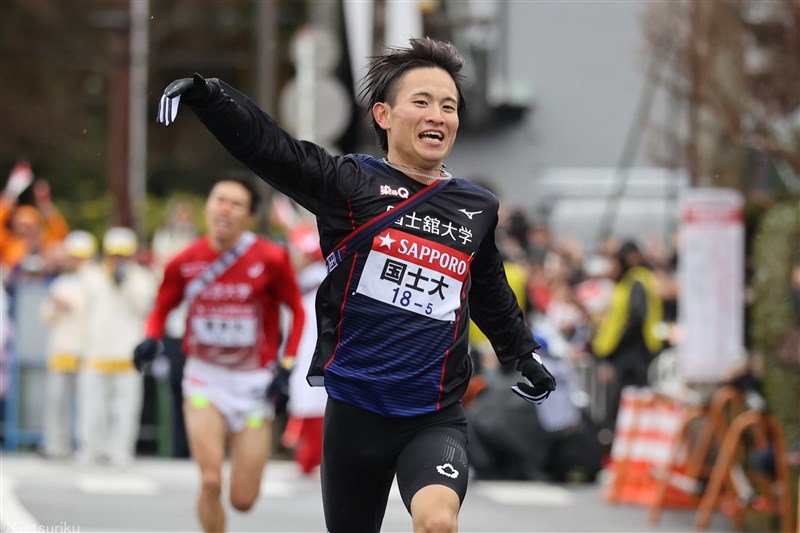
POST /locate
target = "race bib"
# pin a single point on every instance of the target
(225, 332)
(415, 274)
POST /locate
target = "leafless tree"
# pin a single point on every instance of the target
(734, 66)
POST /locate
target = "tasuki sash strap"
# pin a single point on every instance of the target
(218, 267)
(366, 232)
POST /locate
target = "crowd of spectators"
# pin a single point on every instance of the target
(566, 291)
(572, 297)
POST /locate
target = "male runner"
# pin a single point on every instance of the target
(393, 318)
(234, 283)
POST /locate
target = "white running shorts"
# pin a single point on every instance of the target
(239, 395)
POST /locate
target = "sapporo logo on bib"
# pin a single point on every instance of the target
(415, 274)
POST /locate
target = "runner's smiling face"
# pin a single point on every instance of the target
(421, 120)
(227, 213)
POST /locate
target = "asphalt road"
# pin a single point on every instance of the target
(159, 494)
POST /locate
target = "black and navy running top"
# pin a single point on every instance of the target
(393, 319)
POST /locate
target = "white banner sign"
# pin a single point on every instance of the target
(711, 274)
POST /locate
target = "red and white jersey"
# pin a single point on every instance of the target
(235, 320)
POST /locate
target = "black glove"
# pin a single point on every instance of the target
(278, 390)
(542, 381)
(193, 91)
(120, 269)
(145, 352)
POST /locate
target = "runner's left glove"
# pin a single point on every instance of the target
(193, 91)
(145, 352)
(542, 382)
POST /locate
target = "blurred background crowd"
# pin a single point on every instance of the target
(82, 299)
(93, 292)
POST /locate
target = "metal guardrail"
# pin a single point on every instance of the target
(24, 405)
(597, 393)
(23, 424)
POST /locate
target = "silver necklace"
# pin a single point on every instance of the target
(443, 173)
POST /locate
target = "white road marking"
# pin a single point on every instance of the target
(275, 488)
(536, 494)
(14, 515)
(116, 484)
(280, 479)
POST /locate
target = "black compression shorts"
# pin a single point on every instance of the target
(363, 450)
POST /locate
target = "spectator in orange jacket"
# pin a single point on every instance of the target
(27, 230)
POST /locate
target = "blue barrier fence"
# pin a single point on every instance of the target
(24, 405)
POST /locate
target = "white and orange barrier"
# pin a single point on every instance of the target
(645, 447)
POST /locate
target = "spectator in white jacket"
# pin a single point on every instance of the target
(64, 312)
(119, 294)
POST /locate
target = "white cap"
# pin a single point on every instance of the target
(597, 265)
(80, 244)
(120, 241)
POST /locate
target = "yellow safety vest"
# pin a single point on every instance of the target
(517, 279)
(613, 324)
(110, 366)
(63, 363)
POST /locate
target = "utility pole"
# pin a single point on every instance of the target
(137, 161)
(378, 26)
(266, 72)
(119, 124)
(629, 151)
(697, 44)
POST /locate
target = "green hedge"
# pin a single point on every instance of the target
(775, 321)
(93, 215)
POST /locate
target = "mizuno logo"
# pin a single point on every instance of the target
(470, 214)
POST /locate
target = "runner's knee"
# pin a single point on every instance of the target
(212, 484)
(434, 509)
(242, 502)
(435, 521)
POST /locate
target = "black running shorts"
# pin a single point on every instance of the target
(362, 452)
